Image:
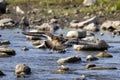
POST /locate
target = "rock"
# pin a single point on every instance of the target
(110, 25)
(5, 42)
(72, 59)
(19, 10)
(91, 58)
(76, 34)
(89, 2)
(83, 23)
(7, 50)
(1, 73)
(90, 65)
(21, 70)
(32, 37)
(102, 68)
(83, 77)
(93, 44)
(7, 23)
(39, 44)
(48, 27)
(50, 11)
(104, 55)
(3, 5)
(24, 49)
(91, 27)
(4, 55)
(61, 69)
(116, 32)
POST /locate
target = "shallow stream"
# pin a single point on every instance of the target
(43, 64)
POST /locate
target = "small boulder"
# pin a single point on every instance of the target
(5, 42)
(91, 27)
(104, 55)
(7, 23)
(83, 23)
(110, 25)
(21, 70)
(7, 50)
(3, 5)
(102, 68)
(39, 44)
(61, 69)
(4, 55)
(76, 34)
(91, 44)
(89, 66)
(19, 10)
(72, 59)
(88, 3)
(51, 27)
(91, 58)
(1, 73)
(24, 49)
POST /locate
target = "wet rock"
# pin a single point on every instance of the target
(7, 23)
(7, 50)
(76, 34)
(24, 49)
(21, 70)
(72, 59)
(101, 34)
(116, 32)
(90, 65)
(104, 55)
(4, 55)
(91, 27)
(5, 42)
(91, 44)
(3, 5)
(83, 77)
(30, 35)
(1, 73)
(61, 69)
(102, 68)
(48, 27)
(91, 58)
(89, 2)
(83, 23)
(39, 44)
(110, 25)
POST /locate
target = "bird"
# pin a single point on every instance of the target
(55, 43)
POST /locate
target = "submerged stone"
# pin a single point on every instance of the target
(72, 59)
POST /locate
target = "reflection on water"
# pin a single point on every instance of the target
(42, 63)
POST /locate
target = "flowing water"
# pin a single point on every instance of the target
(43, 64)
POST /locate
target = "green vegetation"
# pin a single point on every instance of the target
(104, 5)
(117, 4)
